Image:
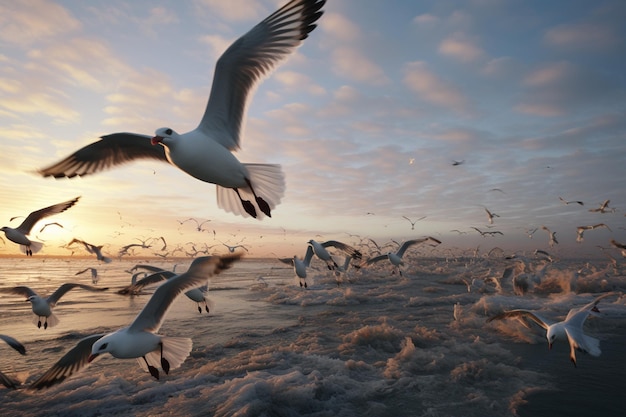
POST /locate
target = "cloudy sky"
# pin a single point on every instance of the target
(366, 119)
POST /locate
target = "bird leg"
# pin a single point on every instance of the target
(164, 362)
(247, 205)
(39, 323)
(153, 371)
(265, 208)
(199, 308)
(206, 306)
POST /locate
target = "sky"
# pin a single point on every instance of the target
(366, 119)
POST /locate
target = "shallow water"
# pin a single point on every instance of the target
(379, 344)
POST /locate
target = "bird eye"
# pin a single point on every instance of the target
(104, 346)
(168, 132)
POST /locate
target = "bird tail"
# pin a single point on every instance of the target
(34, 247)
(592, 345)
(268, 182)
(175, 350)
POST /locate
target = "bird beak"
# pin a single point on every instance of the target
(92, 357)
(549, 346)
(156, 139)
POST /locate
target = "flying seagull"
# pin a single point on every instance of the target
(299, 266)
(396, 258)
(205, 153)
(570, 329)
(580, 230)
(94, 249)
(140, 339)
(319, 249)
(490, 215)
(413, 221)
(571, 202)
(20, 233)
(604, 207)
(42, 307)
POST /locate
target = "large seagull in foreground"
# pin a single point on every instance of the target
(206, 152)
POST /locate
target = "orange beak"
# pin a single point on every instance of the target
(92, 357)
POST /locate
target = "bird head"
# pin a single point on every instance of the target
(101, 346)
(551, 336)
(162, 136)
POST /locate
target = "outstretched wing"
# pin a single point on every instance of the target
(342, 246)
(249, 59)
(72, 362)
(523, 316)
(109, 151)
(35, 216)
(13, 343)
(376, 259)
(19, 290)
(54, 297)
(153, 313)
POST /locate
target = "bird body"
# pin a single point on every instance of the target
(396, 258)
(319, 249)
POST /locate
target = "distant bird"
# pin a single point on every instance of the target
(94, 274)
(96, 250)
(498, 189)
(456, 163)
(231, 248)
(488, 232)
(580, 230)
(139, 340)
(396, 258)
(20, 233)
(570, 329)
(531, 232)
(50, 224)
(5, 380)
(571, 202)
(619, 245)
(551, 236)
(42, 307)
(604, 208)
(490, 215)
(319, 249)
(299, 266)
(413, 221)
(206, 152)
(198, 224)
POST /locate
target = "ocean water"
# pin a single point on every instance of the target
(367, 343)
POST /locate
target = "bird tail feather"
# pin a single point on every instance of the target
(268, 182)
(175, 350)
(34, 247)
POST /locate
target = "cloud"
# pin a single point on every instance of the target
(340, 28)
(432, 88)
(297, 81)
(233, 10)
(426, 19)
(462, 47)
(583, 36)
(26, 22)
(350, 63)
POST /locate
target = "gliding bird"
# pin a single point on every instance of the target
(205, 153)
(20, 233)
(396, 258)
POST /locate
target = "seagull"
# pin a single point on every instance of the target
(456, 163)
(551, 236)
(490, 215)
(20, 233)
(580, 230)
(299, 266)
(571, 202)
(139, 340)
(94, 274)
(571, 328)
(319, 249)
(413, 222)
(603, 207)
(50, 224)
(96, 250)
(396, 258)
(483, 234)
(231, 249)
(206, 152)
(5, 380)
(42, 307)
